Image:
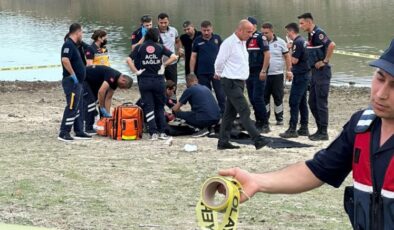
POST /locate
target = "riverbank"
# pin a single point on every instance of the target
(105, 184)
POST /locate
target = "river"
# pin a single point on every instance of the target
(32, 31)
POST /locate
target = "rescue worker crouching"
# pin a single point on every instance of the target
(146, 62)
(101, 82)
(97, 52)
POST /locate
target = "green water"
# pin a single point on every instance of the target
(32, 31)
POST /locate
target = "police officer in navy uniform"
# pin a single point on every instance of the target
(138, 35)
(259, 59)
(298, 93)
(202, 62)
(365, 146)
(320, 49)
(146, 62)
(101, 82)
(74, 72)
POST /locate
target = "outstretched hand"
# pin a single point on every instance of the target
(246, 179)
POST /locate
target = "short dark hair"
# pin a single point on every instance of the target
(205, 24)
(98, 34)
(293, 27)
(153, 34)
(186, 24)
(191, 77)
(73, 28)
(146, 18)
(267, 25)
(306, 16)
(162, 16)
(170, 85)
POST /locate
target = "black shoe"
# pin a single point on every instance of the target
(82, 136)
(227, 145)
(303, 131)
(265, 129)
(319, 137)
(260, 142)
(66, 137)
(289, 133)
(91, 132)
(201, 133)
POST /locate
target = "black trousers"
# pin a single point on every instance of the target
(274, 87)
(73, 112)
(235, 104)
(318, 96)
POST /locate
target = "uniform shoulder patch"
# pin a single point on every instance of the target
(66, 50)
(264, 38)
(216, 41)
(321, 36)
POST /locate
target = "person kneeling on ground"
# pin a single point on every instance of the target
(101, 82)
(205, 110)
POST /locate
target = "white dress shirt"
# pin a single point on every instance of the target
(232, 61)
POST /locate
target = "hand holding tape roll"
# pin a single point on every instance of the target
(208, 207)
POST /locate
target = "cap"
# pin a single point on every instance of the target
(386, 61)
(186, 24)
(252, 20)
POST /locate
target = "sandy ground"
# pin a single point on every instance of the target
(105, 184)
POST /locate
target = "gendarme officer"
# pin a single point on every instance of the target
(320, 49)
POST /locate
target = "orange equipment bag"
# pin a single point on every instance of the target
(127, 122)
(103, 126)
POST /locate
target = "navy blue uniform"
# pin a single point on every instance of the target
(137, 35)
(207, 51)
(148, 56)
(187, 43)
(96, 75)
(320, 82)
(205, 111)
(299, 86)
(256, 46)
(72, 113)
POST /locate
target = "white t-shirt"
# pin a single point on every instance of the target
(278, 48)
(169, 38)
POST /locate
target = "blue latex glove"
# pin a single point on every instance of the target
(75, 79)
(104, 112)
(143, 31)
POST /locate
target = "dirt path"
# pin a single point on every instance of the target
(104, 184)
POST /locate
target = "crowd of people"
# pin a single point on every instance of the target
(253, 57)
(260, 60)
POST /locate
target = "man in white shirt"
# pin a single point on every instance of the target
(274, 84)
(170, 38)
(232, 67)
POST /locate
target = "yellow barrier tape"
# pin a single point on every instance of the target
(354, 54)
(14, 68)
(207, 208)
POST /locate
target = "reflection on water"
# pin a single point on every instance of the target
(33, 30)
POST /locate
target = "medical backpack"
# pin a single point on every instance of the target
(127, 122)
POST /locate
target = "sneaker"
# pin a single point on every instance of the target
(154, 137)
(66, 137)
(82, 136)
(91, 132)
(279, 122)
(163, 136)
(227, 145)
(201, 133)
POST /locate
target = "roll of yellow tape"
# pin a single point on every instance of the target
(208, 207)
